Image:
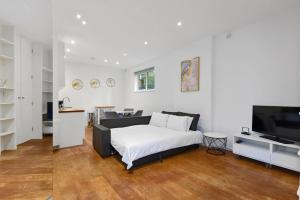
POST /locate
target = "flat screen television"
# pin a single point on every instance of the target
(277, 123)
(49, 110)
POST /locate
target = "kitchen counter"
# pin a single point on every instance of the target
(70, 110)
(105, 106)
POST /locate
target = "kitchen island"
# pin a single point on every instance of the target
(71, 127)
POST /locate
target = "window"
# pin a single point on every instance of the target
(145, 80)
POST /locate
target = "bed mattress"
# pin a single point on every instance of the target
(138, 141)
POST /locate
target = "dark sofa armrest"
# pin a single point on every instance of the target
(102, 134)
(101, 140)
(126, 121)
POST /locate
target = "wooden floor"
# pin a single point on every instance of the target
(27, 173)
(80, 173)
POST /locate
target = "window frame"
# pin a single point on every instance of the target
(144, 71)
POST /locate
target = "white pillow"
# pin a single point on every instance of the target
(178, 123)
(159, 119)
(189, 123)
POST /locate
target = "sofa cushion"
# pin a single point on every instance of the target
(195, 117)
(170, 113)
(178, 123)
(159, 120)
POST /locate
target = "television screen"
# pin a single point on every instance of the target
(282, 122)
(49, 110)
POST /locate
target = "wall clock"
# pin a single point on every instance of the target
(77, 84)
(94, 83)
(110, 82)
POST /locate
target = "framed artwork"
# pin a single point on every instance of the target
(94, 83)
(190, 75)
(110, 82)
(77, 84)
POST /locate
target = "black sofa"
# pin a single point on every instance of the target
(102, 139)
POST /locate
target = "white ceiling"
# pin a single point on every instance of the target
(32, 18)
(115, 27)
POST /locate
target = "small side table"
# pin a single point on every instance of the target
(215, 142)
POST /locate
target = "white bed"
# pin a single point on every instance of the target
(138, 141)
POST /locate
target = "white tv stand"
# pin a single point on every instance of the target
(268, 151)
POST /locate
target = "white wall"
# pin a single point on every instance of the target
(167, 94)
(259, 64)
(37, 120)
(58, 69)
(87, 98)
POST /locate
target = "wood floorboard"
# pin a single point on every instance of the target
(28, 172)
(79, 173)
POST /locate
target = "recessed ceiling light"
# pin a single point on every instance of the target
(125, 54)
(117, 63)
(83, 22)
(146, 42)
(68, 50)
(179, 23)
(105, 60)
(78, 16)
(72, 42)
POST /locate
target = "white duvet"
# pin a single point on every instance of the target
(138, 141)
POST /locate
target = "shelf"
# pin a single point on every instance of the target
(48, 81)
(286, 153)
(7, 97)
(286, 159)
(252, 149)
(6, 118)
(47, 69)
(6, 133)
(6, 42)
(253, 146)
(255, 137)
(5, 57)
(268, 151)
(5, 88)
(6, 103)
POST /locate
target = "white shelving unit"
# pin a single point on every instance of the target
(6, 133)
(7, 93)
(6, 103)
(6, 41)
(6, 118)
(268, 151)
(47, 69)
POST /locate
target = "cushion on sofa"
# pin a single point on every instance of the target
(195, 117)
(178, 123)
(170, 113)
(159, 120)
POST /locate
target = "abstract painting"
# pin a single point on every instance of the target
(190, 75)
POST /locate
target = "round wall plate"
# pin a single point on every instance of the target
(94, 83)
(77, 84)
(110, 82)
